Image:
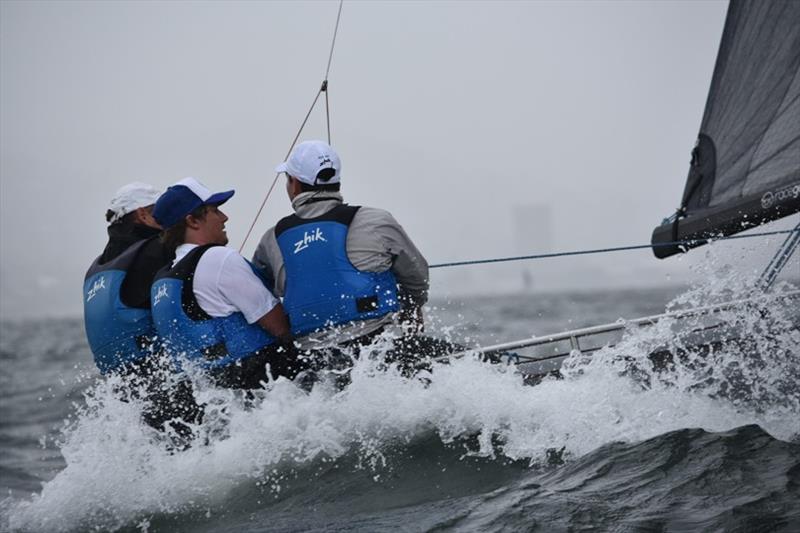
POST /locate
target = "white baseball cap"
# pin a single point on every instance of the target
(308, 158)
(131, 197)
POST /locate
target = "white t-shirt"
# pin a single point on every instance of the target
(225, 284)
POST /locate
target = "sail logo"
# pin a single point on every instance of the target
(161, 292)
(98, 285)
(308, 238)
(769, 198)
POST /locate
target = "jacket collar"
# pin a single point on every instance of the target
(314, 203)
(122, 236)
(131, 233)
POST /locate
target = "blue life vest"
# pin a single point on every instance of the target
(192, 334)
(323, 288)
(117, 334)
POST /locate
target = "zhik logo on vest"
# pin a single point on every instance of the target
(314, 236)
(160, 293)
(96, 286)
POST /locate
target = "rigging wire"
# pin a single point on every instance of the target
(323, 89)
(333, 41)
(327, 113)
(607, 250)
(328, 70)
(780, 259)
(277, 174)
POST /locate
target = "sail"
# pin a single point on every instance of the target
(745, 167)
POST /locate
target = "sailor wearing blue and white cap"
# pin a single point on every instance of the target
(344, 271)
(209, 305)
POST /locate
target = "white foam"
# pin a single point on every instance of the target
(117, 475)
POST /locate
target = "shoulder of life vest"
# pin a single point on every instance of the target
(188, 332)
(342, 214)
(117, 334)
(323, 288)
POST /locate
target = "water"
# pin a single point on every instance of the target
(614, 446)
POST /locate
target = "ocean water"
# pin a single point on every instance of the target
(712, 443)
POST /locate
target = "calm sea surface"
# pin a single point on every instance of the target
(710, 444)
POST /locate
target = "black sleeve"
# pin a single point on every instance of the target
(135, 290)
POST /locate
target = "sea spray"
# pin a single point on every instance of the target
(119, 472)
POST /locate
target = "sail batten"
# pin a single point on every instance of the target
(745, 168)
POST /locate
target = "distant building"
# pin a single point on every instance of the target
(533, 234)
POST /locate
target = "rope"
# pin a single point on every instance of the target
(606, 250)
(328, 70)
(323, 89)
(277, 175)
(333, 41)
(327, 113)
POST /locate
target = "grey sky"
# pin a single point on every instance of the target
(448, 114)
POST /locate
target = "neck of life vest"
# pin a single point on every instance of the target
(189, 333)
(323, 288)
(118, 335)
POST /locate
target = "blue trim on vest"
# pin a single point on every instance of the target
(117, 334)
(189, 332)
(323, 288)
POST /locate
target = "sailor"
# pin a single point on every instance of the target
(116, 295)
(209, 306)
(345, 272)
(117, 316)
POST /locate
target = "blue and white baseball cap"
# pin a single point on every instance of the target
(308, 158)
(184, 197)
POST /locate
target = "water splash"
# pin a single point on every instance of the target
(119, 473)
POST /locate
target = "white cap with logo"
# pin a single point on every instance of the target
(310, 157)
(131, 197)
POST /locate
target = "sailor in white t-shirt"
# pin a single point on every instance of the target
(225, 284)
(210, 306)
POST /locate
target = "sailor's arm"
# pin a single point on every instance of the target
(269, 260)
(376, 243)
(245, 291)
(411, 270)
(276, 323)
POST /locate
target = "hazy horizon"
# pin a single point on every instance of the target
(453, 116)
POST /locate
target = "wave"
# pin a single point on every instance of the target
(458, 417)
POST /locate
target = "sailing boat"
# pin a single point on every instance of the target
(744, 172)
(745, 167)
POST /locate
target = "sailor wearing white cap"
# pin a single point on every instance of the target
(344, 271)
(117, 286)
(209, 305)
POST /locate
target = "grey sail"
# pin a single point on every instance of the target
(745, 167)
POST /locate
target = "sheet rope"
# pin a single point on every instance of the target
(608, 250)
(323, 89)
